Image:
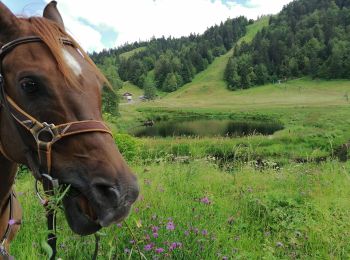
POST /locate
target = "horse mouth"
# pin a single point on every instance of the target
(80, 215)
(84, 219)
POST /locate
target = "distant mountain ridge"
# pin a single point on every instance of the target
(307, 38)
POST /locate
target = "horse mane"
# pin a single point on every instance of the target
(51, 33)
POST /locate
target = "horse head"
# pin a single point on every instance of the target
(53, 81)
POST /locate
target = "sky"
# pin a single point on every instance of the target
(102, 24)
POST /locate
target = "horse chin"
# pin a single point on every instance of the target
(80, 216)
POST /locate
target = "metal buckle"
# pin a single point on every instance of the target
(47, 128)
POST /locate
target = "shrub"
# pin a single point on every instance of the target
(127, 145)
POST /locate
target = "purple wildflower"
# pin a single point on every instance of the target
(187, 233)
(205, 200)
(170, 225)
(179, 244)
(172, 246)
(136, 210)
(147, 237)
(119, 225)
(148, 247)
(204, 232)
(224, 258)
(12, 222)
(155, 229)
(155, 235)
(132, 241)
(127, 251)
(159, 250)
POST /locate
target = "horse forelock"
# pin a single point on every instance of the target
(51, 33)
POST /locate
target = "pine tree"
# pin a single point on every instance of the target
(150, 90)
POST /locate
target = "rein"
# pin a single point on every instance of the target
(44, 134)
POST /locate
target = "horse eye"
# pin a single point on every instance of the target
(28, 85)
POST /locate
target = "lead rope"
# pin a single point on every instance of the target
(97, 241)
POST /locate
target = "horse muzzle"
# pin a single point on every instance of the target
(100, 206)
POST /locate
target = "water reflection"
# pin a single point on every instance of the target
(207, 128)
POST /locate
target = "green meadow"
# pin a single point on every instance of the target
(282, 196)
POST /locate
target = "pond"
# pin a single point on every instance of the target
(206, 128)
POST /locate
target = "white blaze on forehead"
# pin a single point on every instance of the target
(72, 62)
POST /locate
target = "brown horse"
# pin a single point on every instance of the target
(47, 77)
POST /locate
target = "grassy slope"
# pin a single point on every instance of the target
(129, 87)
(208, 89)
(127, 55)
(210, 83)
(195, 90)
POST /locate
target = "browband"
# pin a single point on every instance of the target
(6, 48)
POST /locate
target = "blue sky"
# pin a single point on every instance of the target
(25, 6)
(111, 23)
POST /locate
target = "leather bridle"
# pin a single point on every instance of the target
(45, 134)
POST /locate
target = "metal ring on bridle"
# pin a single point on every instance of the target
(54, 183)
(46, 129)
(38, 192)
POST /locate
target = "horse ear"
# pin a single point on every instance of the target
(51, 12)
(8, 22)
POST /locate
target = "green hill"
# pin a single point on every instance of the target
(211, 80)
(307, 38)
(208, 89)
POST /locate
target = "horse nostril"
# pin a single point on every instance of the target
(134, 193)
(107, 192)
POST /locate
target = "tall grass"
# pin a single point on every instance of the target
(196, 210)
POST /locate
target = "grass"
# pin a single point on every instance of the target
(129, 87)
(300, 211)
(127, 55)
(252, 29)
(295, 93)
(315, 119)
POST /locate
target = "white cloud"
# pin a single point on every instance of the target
(141, 19)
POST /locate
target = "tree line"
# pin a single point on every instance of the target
(307, 38)
(169, 63)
